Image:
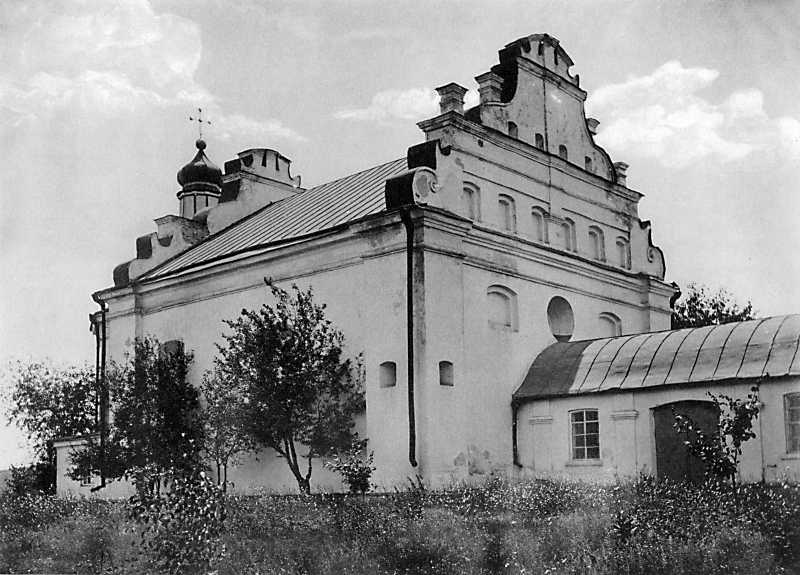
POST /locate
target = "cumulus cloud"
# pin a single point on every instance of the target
(98, 59)
(401, 105)
(663, 115)
(240, 126)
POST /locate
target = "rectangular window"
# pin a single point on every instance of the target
(585, 434)
(791, 407)
(446, 373)
(387, 374)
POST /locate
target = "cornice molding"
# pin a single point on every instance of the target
(541, 420)
(623, 415)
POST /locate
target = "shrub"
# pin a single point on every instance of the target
(37, 477)
(353, 467)
(721, 448)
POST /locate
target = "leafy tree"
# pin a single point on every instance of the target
(225, 433)
(156, 424)
(298, 391)
(721, 449)
(699, 306)
(49, 402)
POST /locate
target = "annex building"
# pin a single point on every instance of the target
(509, 302)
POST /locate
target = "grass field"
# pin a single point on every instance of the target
(536, 527)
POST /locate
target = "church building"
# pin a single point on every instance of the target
(508, 300)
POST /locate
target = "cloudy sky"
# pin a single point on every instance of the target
(700, 98)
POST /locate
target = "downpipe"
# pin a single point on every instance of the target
(405, 216)
(102, 387)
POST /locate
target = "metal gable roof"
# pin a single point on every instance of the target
(741, 350)
(314, 210)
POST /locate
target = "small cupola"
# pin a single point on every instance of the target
(201, 183)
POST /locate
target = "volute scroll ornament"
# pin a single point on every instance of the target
(424, 185)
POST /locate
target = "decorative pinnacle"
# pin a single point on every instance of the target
(200, 121)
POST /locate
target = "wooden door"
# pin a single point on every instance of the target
(673, 459)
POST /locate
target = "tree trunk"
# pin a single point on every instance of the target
(304, 485)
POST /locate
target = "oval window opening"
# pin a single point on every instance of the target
(560, 318)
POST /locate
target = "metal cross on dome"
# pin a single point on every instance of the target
(200, 121)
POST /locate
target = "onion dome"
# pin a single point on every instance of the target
(201, 174)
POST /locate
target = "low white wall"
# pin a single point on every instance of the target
(264, 471)
(68, 487)
(627, 440)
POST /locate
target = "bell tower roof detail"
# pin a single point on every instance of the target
(201, 183)
(201, 174)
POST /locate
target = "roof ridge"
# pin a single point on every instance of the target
(297, 214)
(713, 325)
(346, 176)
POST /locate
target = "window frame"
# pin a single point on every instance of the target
(612, 319)
(623, 252)
(511, 299)
(446, 373)
(792, 435)
(573, 447)
(508, 219)
(598, 243)
(513, 130)
(539, 213)
(471, 200)
(383, 369)
(570, 235)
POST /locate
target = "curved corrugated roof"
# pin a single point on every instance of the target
(320, 208)
(741, 350)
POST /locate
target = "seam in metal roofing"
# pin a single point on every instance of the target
(322, 207)
(740, 350)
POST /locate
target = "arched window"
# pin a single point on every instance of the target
(446, 373)
(562, 151)
(387, 374)
(513, 131)
(508, 213)
(539, 139)
(610, 325)
(471, 202)
(791, 417)
(502, 305)
(568, 233)
(587, 163)
(623, 253)
(597, 243)
(540, 232)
